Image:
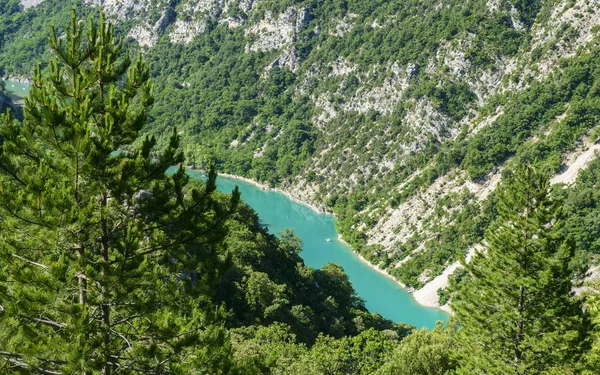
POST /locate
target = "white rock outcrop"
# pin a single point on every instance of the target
(184, 32)
(30, 3)
(274, 33)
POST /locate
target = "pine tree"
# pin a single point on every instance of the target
(592, 358)
(517, 311)
(107, 264)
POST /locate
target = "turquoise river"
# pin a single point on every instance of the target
(276, 211)
(381, 293)
(16, 90)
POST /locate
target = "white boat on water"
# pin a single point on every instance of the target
(328, 239)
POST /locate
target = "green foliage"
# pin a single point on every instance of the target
(591, 360)
(254, 123)
(454, 281)
(265, 350)
(575, 88)
(273, 350)
(582, 209)
(226, 112)
(517, 310)
(24, 33)
(245, 120)
(423, 352)
(269, 283)
(4, 99)
(108, 264)
(531, 113)
(362, 354)
(527, 10)
(234, 114)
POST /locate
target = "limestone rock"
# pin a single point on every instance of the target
(273, 33)
(30, 3)
(184, 32)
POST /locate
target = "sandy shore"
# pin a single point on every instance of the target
(384, 273)
(340, 239)
(277, 190)
(374, 267)
(428, 294)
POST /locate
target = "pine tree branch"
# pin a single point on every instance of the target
(15, 359)
(27, 366)
(22, 218)
(53, 361)
(126, 320)
(30, 261)
(205, 233)
(49, 322)
(13, 174)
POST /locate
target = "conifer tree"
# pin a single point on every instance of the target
(592, 358)
(106, 262)
(517, 311)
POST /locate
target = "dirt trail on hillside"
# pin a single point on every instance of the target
(570, 175)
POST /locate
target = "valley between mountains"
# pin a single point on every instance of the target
(398, 117)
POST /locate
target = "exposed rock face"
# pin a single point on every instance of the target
(575, 162)
(583, 16)
(148, 36)
(275, 33)
(385, 97)
(342, 67)
(246, 5)
(189, 18)
(382, 98)
(204, 6)
(233, 22)
(145, 36)
(343, 26)
(128, 9)
(18, 78)
(493, 5)
(193, 17)
(288, 59)
(30, 3)
(184, 32)
(152, 17)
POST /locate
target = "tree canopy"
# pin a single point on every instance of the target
(517, 309)
(108, 263)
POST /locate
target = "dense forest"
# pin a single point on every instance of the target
(111, 265)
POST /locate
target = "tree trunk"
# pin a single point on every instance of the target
(106, 370)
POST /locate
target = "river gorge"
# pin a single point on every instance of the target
(381, 293)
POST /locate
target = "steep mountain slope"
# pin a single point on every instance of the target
(398, 116)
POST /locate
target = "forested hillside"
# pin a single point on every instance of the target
(428, 128)
(397, 116)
